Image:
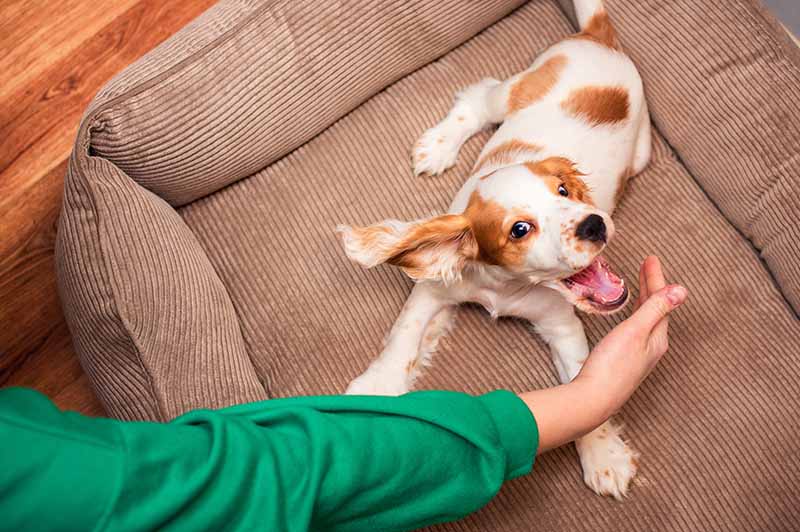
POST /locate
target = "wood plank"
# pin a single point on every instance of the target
(32, 41)
(54, 370)
(27, 272)
(24, 220)
(54, 61)
(38, 120)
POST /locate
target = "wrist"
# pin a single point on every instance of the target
(596, 397)
(566, 412)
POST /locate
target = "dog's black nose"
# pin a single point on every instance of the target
(592, 228)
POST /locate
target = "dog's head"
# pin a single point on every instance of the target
(533, 220)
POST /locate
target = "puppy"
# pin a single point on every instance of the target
(524, 234)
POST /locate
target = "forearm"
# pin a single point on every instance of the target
(333, 463)
(566, 412)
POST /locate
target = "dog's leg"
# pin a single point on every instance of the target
(641, 154)
(425, 317)
(474, 108)
(608, 463)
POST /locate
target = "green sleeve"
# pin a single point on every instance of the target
(307, 463)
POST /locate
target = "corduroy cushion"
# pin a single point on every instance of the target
(723, 82)
(149, 317)
(715, 423)
(264, 79)
(723, 86)
(251, 281)
(244, 83)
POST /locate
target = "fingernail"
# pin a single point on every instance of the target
(676, 295)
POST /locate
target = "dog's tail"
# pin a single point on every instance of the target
(593, 22)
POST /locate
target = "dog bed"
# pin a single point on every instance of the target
(198, 265)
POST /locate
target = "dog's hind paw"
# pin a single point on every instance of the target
(609, 464)
(378, 380)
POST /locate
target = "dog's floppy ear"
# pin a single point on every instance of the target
(432, 249)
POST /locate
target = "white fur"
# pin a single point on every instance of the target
(602, 153)
(438, 147)
(585, 9)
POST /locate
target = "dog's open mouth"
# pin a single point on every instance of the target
(598, 286)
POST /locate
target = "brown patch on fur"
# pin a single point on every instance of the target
(502, 153)
(557, 171)
(491, 225)
(412, 365)
(635, 461)
(533, 85)
(607, 473)
(622, 184)
(600, 30)
(598, 105)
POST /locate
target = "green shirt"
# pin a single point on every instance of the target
(305, 463)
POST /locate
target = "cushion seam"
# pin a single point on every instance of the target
(95, 114)
(248, 350)
(675, 154)
(782, 58)
(758, 211)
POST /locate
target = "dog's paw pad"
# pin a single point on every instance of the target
(435, 151)
(609, 464)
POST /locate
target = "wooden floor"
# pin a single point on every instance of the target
(53, 61)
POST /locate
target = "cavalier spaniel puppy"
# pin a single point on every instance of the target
(523, 236)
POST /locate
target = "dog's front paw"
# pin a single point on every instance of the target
(609, 464)
(436, 150)
(379, 380)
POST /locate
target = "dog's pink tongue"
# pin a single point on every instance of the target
(598, 283)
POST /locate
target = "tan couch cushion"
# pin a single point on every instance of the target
(148, 314)
(247, 291)
(151, 320)
(253, 80)
(714, 423)
(723, 85)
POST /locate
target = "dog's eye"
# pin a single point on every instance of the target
(563, 190)
(520, 229)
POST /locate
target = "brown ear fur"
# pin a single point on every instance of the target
(436, 249)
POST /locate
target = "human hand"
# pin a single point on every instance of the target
(613, 370)
(622, 360)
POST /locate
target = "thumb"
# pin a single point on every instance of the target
(658, 305)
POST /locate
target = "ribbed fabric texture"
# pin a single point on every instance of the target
(723, 86)
(209, 106)
(273, 79)
(248, 288)
(153, 325)
(716, 422)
